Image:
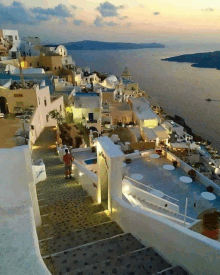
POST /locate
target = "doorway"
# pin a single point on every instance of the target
(91, 116)
(3, 105)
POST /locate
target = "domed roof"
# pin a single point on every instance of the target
(110, 82)
(112, 78)
(126, 72)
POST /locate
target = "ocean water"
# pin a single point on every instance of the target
(177, 87)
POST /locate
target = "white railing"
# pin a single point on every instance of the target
(148, 189)
(177, 215)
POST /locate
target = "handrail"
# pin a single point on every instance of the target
(146, 186)
(172, 211)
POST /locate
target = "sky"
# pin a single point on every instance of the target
(170, 21)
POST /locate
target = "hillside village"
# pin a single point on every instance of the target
(100, 119)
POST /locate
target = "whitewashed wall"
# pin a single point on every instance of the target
(20, 214)
(181, 246)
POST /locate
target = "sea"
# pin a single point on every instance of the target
(178, 88)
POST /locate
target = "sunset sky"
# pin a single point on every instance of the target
(170, 21)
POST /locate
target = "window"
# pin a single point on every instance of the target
(18, 95)
(30, 64)
(60, 108)
(47, 118)
(16, 38)
(64, 53)
(38, 100)
(55, 68)
(32, 127)
(66, 61)
(38, 64)
(59, 67)
(45, 101)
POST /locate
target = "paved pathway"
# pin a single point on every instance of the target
(76, 235)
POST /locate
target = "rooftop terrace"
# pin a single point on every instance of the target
(9, 127)
(155, 176)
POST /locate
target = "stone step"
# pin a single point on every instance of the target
(62, 197)
(83, 205)
(67, 224)
(79, 237)
(94, 253)
(144, 261)
(177, 270)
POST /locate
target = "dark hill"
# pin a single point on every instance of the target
(99, 45)
(200, 60)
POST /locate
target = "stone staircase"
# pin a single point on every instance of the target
(77, 235)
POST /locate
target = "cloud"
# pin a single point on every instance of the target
(42, 17)
(99, 22)
(60, 11)
(73, 7)
(111, 23)
(78, 22)
(107, 9)
(156, 13)
(208, 9)
(142, 6)
(123, 17)
(16, 13)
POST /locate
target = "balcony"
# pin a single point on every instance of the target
(91, 121)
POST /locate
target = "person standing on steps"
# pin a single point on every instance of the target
(68, 159)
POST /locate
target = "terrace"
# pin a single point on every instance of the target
(153, 174)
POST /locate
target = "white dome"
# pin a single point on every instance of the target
(112, 78)
(110, 82)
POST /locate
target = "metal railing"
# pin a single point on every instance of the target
(177, 215)
(148, 189)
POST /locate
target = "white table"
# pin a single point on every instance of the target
(185, 179)
(154, 156)
(208, 196)
(123, 164)
(157, 193)
(168, 167)
(136, 176)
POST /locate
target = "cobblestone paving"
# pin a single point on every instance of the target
(64, 206)
(76, 235)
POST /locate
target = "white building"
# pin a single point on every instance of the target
(86, 109)
(143, 114)
(13, 38)
(58, 49)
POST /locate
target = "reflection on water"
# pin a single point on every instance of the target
(179, 88)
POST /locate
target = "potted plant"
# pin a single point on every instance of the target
(192, 174)
(210, 225)
(210, 189)
(175, 163)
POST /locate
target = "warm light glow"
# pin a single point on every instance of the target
(52, 146)
(125, 189)
(80, 173)
(36, 147)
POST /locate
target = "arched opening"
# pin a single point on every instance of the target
(93, 129)
(3, 105)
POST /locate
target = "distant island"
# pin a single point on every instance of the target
(99, 45)
(199, 60)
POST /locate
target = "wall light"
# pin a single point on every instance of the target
(80, 173)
